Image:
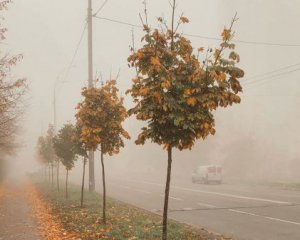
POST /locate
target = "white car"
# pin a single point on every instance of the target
(207, 174)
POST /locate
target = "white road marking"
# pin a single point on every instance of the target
(252, 214)
(266, 217)
(226, 194)
(175, 198)
(187, 209)
(206, 205)
(142, 191)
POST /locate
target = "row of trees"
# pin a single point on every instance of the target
(12, 93)
(98, 127)
(175, 92)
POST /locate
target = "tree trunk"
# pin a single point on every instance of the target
(67, 176)
(104, 189)
(82, 185)
(45, 173)
(52, 174)
(167, 191)
(49, 174)
(57, 175)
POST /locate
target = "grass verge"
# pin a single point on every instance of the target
(286, 185)
(123, 221)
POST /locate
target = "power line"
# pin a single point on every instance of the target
(245, 42)
(119, 22)
(206, 37)
(269, 95)
(101, 7)
(264, 80)
(268, 73)
(211, 38)
(75, 53)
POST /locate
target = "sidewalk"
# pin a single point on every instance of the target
(16, 222)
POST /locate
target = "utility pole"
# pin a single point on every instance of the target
(90, 85)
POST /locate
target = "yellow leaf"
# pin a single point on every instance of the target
(140, 54)
(184, 20)
(226, 34)
(166, 84)
(155, 61)
(187, 92)
(157, 96)
(222, 76)
(144, 91)
(165, 107)
(201, 49)
(213, 75)
(166, 145)
(191, 101)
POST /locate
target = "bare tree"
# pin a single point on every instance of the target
(12, 93)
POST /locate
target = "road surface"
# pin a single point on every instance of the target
(245, 212)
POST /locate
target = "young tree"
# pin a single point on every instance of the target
(46, 154)
(41, 155)
(176, 93)
(49, 151)
(80, 150)
(64, 148)
(100, 116)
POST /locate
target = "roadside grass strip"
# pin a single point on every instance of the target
(286, 185)
(50, 226)
(123, 221)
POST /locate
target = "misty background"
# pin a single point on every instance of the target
(257, 139)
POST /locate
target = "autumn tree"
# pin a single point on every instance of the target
(100, 116)
(12, 92)
(64, 147)
(45, 152)
(41, 154)
(176, 92)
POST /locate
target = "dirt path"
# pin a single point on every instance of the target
(16, 222)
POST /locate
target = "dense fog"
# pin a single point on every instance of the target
(256, 140)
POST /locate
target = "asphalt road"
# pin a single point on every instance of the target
(245, 212)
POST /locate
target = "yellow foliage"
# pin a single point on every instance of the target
(155, 61)
(165, 146)
(191, 101)
(196, 87)
(201, 49)
(184, 20)
(157, 96)
(165, 107)
(222, 77)
(166, 84)
(99, 118)
(140, 54)
(187, 92)
(213, 75)
(144, 91)
(226, 34)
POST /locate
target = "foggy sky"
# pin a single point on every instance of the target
(265, 123)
